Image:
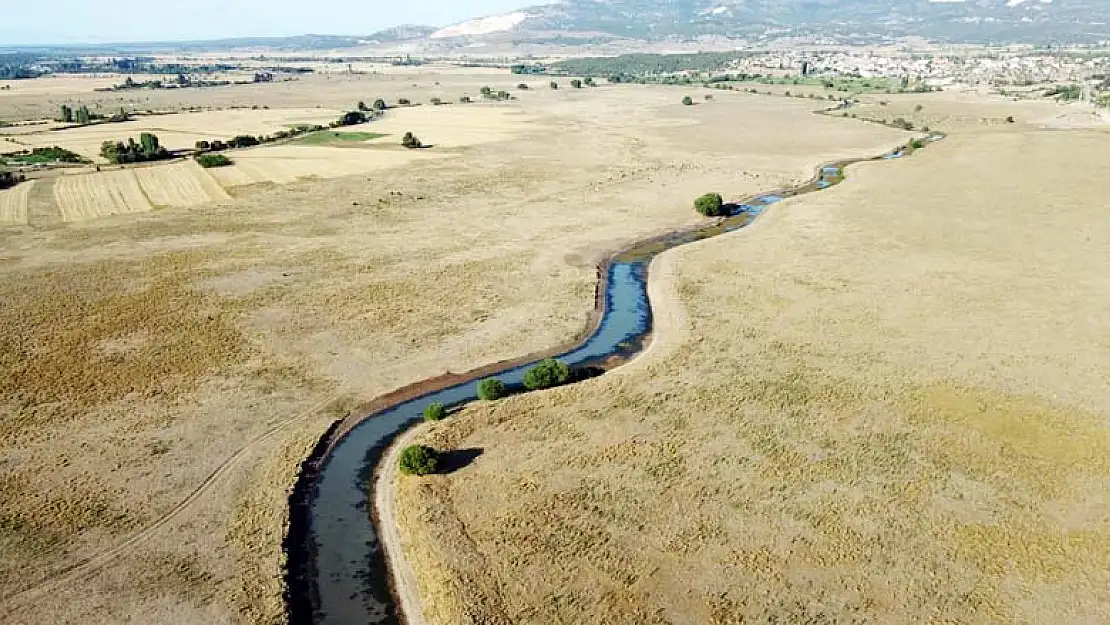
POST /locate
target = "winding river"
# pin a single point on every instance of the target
(337, 573)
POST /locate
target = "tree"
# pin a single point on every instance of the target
(418, 460)
(403, 101)
(362, 106)
(491, 389)
(554, 85)
(244, 141)
(411, 141)
(379, 105)
(486, 91)
(202, 146)
(710, 205)
(435, 412)
(589, 82)
(150, 144)
(82, 116)
(577, 84)
(522, 86)
(464, 99)
(352, 118)
(687, 100)
(436, 101)
(66, 114)
(549, 373)
(213, 160)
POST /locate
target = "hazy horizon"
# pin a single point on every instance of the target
(69, 22)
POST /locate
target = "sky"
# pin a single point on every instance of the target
(82, 21)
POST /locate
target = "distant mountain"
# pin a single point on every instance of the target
(401, 33)
(1040, 21)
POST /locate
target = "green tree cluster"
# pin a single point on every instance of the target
(147, 149)
(491, 389)
(418, 460)
(547, 374)
(710, 205)
(435, 412)
(213, 160)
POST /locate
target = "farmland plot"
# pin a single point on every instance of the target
(13, 204)
(99, 195)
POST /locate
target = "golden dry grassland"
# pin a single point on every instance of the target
(885, 403)
(164, 372)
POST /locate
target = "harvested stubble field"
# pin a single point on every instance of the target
(885, 403)
(13, 204)
(143, 353)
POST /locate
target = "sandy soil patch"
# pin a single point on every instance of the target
(13, 203)
(148, 352)
(888, 406)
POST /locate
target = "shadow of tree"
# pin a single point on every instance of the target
(455, 460)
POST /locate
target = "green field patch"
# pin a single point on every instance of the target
(329, 137)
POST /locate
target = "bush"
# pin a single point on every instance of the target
(522, 86)
(418, 460)
(917, 144)
(491, 389)
(435, 412)
(352, 118)
(547, 374)
(554, 85)
(411, 141)
(688, 101)
(213, 160)
(244, 141)
(710, 205)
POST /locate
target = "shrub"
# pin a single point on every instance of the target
(687, 100)
(418, 460)
(435, 412)
(710, 205)
(547, 374)
(352, 118)
(411, 141)
(554, 85)
(917, 144)
(244, 141)
(522, 86)
(491, 389)
(403, 101)
(213, 160)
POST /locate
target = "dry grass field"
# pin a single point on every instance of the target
(885, 403)
(163, 373)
